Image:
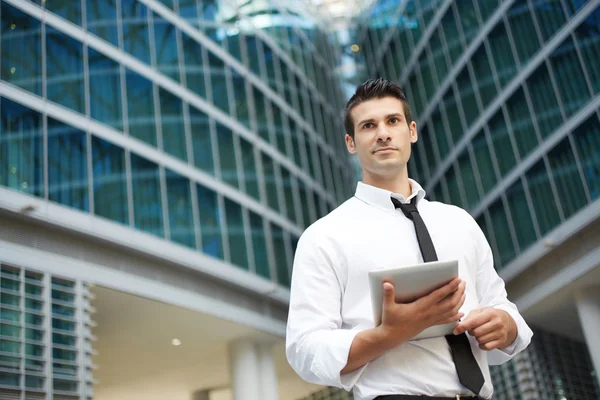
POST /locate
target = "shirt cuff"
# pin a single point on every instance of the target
(336, 358)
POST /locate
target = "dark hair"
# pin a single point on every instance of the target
(374, 89)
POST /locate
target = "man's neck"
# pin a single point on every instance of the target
(398, 184)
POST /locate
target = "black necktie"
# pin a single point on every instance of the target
(469, 373)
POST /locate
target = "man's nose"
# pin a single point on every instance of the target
(383, 133)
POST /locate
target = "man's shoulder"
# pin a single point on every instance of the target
(335, 219)
(447, 210)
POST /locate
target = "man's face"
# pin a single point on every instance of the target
(382, 137)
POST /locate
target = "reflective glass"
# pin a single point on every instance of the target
(64, 70)
(147, 200)
(521, 215)
(453, 115)
(281, 132)
(567, 177)
(542, 197)
(550, 16)
(271, 184)
(441, 138)
(482, 69)
(263, 117)
(466, 9)
(242, 110)
(218, 82)
(587, 142)
(569, 77)
(67, 176)
(227, 155)
(165, 43)
(504, 61)
(467, 173)
(140, 108)
(467, 96)
(288, 191)
(210, 221)
(68, 9)
(545, 103)
(188, 10)
(171, 119)
(110, 187)
(136, 37)
(238, 253)
(259, 245)
(181, 220)
(306, 199)
(21, 151)
(523, 30)
(483, 158)
(193, 66)
(501, 143)
(249, 168)
(201, 140)
(20, 49)
(588, 38)
(105, 90)
(102, 19)
(522, 125)
(452, 181)
(281, 261)
(506, 250)
(487, 229)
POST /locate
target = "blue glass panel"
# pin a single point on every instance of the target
(201, 140)
(281, 263)
(188, 10)
(237, 236)
(542, 197)
(193, 66)
(521, 215)
(67, 176)
(21, 154)
(173, 131)
(147, 201)
(587, 142)
(105, 90)
(271, 183)
(110, 187)
(165, 43)
(210, 222)
(102, 19)
(227, 155)
(249, 168)
(181, 221)
(64, 70)
(136, 37)
(506, 250)
(259, 245)
(20, 49)
(140, 107)
(68, 9)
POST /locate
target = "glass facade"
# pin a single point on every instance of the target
(506, 96)
(45, 325)
(164, 107)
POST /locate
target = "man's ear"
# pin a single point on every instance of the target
(350, 144)
(413, 132)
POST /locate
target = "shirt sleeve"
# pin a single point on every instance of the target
(317, 345)
(492, 293)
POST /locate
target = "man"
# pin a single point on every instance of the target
(331, 337)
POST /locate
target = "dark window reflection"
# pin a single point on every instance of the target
(21, 157)
(201, 140)
(105, 90)
(102, 19)
(543, 197)
(181, 221)
(521, 215)
(193, 66)
(227, 159)
(259, 245)
(67, 176)
(20, 49)
(506, 250)
(140, 108)
(237, 237)
(147, 201)
(165, 43)
(249, 168)
(173, 131)
(136, 39)
(281, 261)
(587, 142)
(64, 70)
(110, 187)
(210, 222)
(68, 9)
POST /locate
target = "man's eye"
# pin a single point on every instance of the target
(368, 125)
(394, 120)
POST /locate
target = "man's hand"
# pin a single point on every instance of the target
(493, 328)
(400, 322)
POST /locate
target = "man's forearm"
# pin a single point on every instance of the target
(368, 345)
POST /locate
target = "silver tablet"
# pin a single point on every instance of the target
(410, 283)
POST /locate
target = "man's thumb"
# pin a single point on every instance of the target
(388, 293)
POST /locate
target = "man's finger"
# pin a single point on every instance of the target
(490, 337)
(388, 294)
(475, 319)
(440, 294)
(493, 325)
(490, 345)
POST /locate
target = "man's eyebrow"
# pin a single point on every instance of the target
(364, 121)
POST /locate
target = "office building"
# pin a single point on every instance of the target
(158, 162)
(506, 95)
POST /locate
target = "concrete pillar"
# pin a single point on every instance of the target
(588, 306)
(268, 376)
(253, 375)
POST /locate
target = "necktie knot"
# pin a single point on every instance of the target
(407, 208)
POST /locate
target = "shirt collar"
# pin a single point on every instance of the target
(381, 198)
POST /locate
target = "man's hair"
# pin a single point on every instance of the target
(374, 89)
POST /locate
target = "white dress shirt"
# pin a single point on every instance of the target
(330, 298)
